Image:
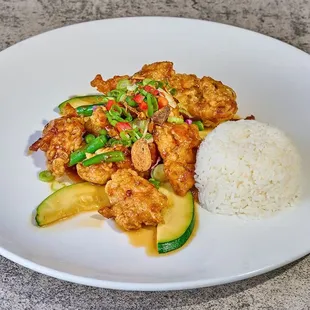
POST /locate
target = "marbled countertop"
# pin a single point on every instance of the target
(286, 288)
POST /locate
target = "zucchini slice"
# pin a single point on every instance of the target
(71, 200)
(158, 173)
(179, 221)
(76, 102)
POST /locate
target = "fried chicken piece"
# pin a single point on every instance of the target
(205, 99)
(134, 201)
(69, 111)
(60, 137)
(157, 71)
(96, 121)
(106, 86)
(178, 145)
(98, 174)
(101, 173)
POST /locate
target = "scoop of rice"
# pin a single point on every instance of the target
(247, 168)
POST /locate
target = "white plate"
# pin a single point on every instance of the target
(272, 81)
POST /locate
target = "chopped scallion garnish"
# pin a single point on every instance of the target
(46, 176)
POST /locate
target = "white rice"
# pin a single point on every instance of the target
(247, 168)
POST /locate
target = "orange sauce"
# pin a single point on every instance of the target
(94, 221)
(146, 238)
(73, 176)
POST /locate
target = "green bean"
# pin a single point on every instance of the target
(96, 144)
(87, 110)
(76, 157)
(89, 138)
(108, 157)
(199, 124)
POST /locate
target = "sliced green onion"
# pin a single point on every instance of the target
(199, 124)
(96, 144)
(135, 134)
(122, 84)
(132, 87)
(146, 81)
(153, 83)
(115, 111)
(87, 110)
(143, 92)
(148, 137)
(131, 102)
(89, 138)
(46, 176)
(156, 183)
(121, 97)
(111, 120)
(160, 84)
(116, 94)
(175, 120)
(124, 135)
(103, 132)
(108, 157)
(173, 91)
(149, 101)
(77, 157)
(128, 116)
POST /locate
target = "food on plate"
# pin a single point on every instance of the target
(247, 168)
(134, 201)
(71, 200)
(81, 101)
(60, 138)
(178, 221)
(134, 149)
(177, 145)
(205, 99)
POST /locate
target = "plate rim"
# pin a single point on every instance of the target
(147, 286)
(142, 286)
(186, 19)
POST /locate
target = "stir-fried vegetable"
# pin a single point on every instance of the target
(108, 157)
(77, 157)
(123, 84)
(125, 107)
(87, 110)
(150, 108)
(96, 144)
(46, 176)
(199, 124)
(89, 138)
(154, 182)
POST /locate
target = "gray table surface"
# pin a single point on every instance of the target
(285, 288)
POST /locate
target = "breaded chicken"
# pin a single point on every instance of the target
(106, 86)
(97, 121)
(101, 173)
(60, 137)
(205, 99)
(134, 201)
(178, 145)
(158, 71)
(98, 174)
